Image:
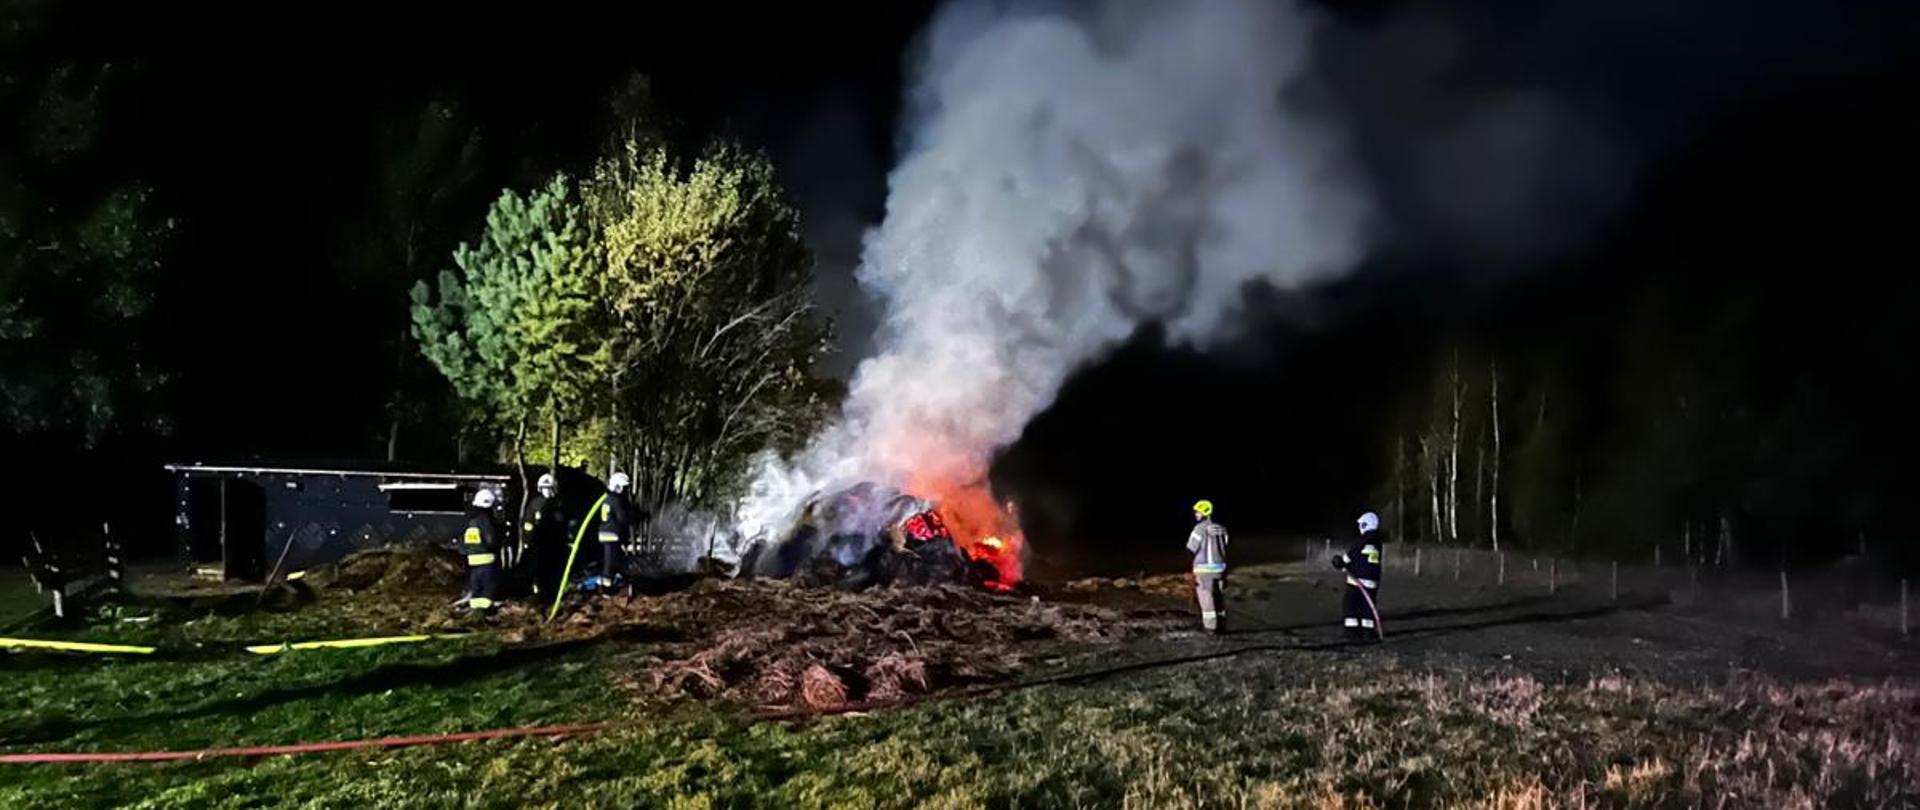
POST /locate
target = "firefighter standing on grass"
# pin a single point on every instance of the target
(1360, 608)
(1208, 542)
(481, 545)
(544, 529)
(616, 528)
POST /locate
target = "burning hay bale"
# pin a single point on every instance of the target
(868, 535)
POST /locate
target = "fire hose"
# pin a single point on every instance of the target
(300, 748)
(560, 590)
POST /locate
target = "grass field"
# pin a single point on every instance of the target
(1273, 716)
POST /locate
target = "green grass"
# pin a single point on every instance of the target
(1259, 730)
(18, 599)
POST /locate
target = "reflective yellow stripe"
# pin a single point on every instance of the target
(473, 535)
(479, 603)
(609, 537)
(271, 649)
(480, 559)
(75, 646)
(526, 527)
(1210, 568)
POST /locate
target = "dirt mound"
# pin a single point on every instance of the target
(778, 644)
(409, 570)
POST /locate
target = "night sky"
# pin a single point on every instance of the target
(1537, 167)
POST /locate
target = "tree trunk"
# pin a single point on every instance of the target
(1453, 463)
(1480, 481)
(1433, 483)
(1493, 505)
(553, 458)
(1573, 530)
(393, 439)
(1726, 538)
(520, 463)
(1400, 486)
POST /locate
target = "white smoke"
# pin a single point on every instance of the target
(1071, 174)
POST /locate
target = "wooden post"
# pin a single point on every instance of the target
(1553, 575)
(1416, 565)
(116, 568)
(1615, 590)
(1786, 598)
(1326, 547)
(1306, 551)
(1503, 568)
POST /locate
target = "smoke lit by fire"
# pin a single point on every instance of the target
(1071, 172)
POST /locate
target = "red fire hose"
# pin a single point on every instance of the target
(301, 748)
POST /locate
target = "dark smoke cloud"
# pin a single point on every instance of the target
(1503, 134)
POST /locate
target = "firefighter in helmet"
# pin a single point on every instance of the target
(543, 528)
(616, 528)
(1360, 608)
(481, 545)
(1208, 544)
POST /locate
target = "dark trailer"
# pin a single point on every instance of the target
(236, 521)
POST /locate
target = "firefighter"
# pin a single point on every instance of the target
(1359, 613)
(1208, 542)
(616, 528)
(544, 529)
(481, 545)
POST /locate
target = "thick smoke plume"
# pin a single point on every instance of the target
(1070, 174)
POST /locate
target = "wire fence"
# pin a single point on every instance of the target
(1852, 591)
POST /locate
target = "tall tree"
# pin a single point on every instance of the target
(516, 328)
(429, 161)
(81, 246)
(710, 284)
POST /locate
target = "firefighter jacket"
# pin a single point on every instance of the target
(481, 541)
(544, 523)
(1208, 542)
(616, 518)
(1362, 559)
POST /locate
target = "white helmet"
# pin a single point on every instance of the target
(546, 484)
(619, 482)
(484, 498)
(1369, 522)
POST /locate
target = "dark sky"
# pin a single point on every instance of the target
(1534, 164)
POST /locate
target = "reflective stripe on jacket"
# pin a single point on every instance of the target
(1208, 542)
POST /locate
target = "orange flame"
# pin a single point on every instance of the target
(981, 527)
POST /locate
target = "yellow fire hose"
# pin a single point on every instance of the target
(560, 590)
(345, 643)
(75, 646)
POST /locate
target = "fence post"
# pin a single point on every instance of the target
(1503, 568)
(1786, 598)
(1615, 590)
(1553, 575)
(1456, 565)
(1326, 547)
(116, 568)
(1416, 561)
(1306, 551)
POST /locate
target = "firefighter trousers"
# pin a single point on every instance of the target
(483, 586)
(1209, 588)
(1355, 613)
(610, 557)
